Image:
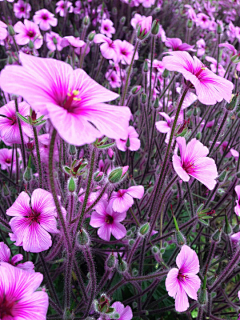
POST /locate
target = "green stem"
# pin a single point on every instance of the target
(53, 189)
(128, 74)
(21, 135)
(38, 157)
(134, 217)
(151, 67)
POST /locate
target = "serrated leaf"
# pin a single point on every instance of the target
(22, 117)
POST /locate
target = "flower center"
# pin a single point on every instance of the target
(197, 74)
(33, 216)
(6, 308)
(188, 166)
(45, 17)
(31, 34)
(123, 52)
(8, 160)
(72, 95)
(109, 219)
(181, 277)
(22, 9)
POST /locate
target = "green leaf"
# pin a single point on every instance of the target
(109, 145)
(22, 117)
(39, 123)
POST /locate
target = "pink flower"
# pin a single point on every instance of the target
(176, 45)
(235, 237)
(108, 47)
(201, 45)
(9, 129)
(70, 98)
(107, 28)
(53, 40)
(33, 218)
(77, 44)
(44, 144)
(183, 282)
(231, 32)
(234, 153)
(28, 31)
(237, 208)
(122, 200)
(6, 159)
(125, 51)
(108, 221)
(145, 23)
(132, 139)
(229, 47)
(202, 20)
(194, 162)
(63, 7)
(209, 87)
(113, 78)
(148, 3)
(191, 14)
(92, 196)
(45, 19)
(125, 313)
(5, 256)
(213, 66)
(18, 296)
(22, 9)
(3, 30)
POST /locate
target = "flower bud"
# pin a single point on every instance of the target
(110, 154)
(196, 111)
(219, 29)
(180, 238)
(189, 24)
(144, 229)
(144, 98)
(123, 20)
(114, 11)
(145, 66)
(11, 30)
(116, 316)
(5, 191)
(91, 36)
(199, 135)
(162, 251)
(155, 250)
(227, 227)
(30, 44)
(122, 266)
(156, 103)
(136, 90)
(27, 176)
(98, 176)
(134, 304)
(117, 174)
(189, 113)
(83, 238)
(111, 261)
(133, 228)
(155, 27)
(86, 21)
(131, 242)
(72, 150)
(203, 297)
(71, 185)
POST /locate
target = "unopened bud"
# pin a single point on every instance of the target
(144, 98)
(31, 44)
(219, 29)
(145, 66)
(136, 90)
(111, 261)
(5, 191)
(189, 24)
(110, 154)
(156, 103)
(72, 150)
(117, 174)
(27, 176)
(155, 27)
(134, 304)
(196, 111)
(165, 73)
(122, 266)
(128, 143)
(91, 36)
(180, 238)
(98, 176)
(86, 21)
(227, 227)
(83, 238)
(116, 316)
(155, 250)
(71, 185)
(114, 11)
(134, 272)
(11, 30)
(199, 135)
(123, 20)
(217, 235)
(203, 297)
(131, 242)
(144, 229)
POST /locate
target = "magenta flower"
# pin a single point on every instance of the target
(28, 31)
(145, 23)
(201, 46)
(33, 219)
(203, 20)
(122, 200)
(213, 66)
(6, 159)
(63, 7)
(9, 129)
(70, 98)
(108, 221)
(18, 296)
(125, 51)
(132, 140)
(113, 78)
(108, 47)
(45, 19)
(210, 88)
(3, 30)
(92, 196)
(107, 28)
(237, 208)
(176, 45)
(194, 162)
(77, 44)
(5, 256)
(22, 9)
(183, 282)
(53, 40)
